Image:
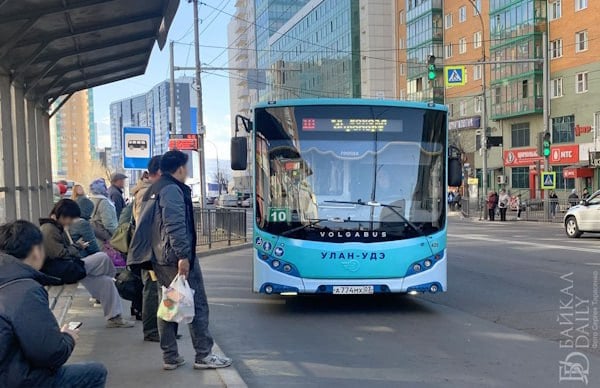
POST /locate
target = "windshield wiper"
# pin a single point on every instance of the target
(311, 223)
(379, 204)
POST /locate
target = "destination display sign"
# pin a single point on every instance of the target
(183, 142)
(351, 125)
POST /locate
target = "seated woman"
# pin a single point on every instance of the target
(82, 229)
(100, 271)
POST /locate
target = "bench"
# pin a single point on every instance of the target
(61, 298)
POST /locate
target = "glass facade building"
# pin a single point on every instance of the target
(317, 53)
(425, 36)
(516, 32)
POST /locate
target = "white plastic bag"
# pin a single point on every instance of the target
(177, 304)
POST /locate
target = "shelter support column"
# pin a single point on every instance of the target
(45, 160)
(8, 201)
(34, 182)
(21, 163)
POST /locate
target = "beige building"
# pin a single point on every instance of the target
(73, 138)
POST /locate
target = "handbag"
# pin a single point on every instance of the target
(100, 231)
(122, 238)
(116, 257)
(129, 285)
(69, 271)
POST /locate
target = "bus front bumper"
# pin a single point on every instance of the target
(269, 281)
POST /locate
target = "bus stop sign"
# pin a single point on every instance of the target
(137, 147)
(548, 180)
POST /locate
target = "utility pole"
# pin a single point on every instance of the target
(199, 117)
(484, 118)
(546, 114)
(173, 127)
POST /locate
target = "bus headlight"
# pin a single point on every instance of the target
(427, 263)
(275, 263)
(417, 267)
(287, 268)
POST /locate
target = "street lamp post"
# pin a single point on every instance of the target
(484, 119)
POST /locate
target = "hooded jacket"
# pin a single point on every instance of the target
(32, 347)
(138, 193)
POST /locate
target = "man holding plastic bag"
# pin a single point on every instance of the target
(166, 232)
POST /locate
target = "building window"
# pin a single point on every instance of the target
(463, 108)
(402, 69)
(581, 4)
(561, 182)
(555, 10)
(448, 21)
(462, 14)
(556, 88)
(477, 8)
(563, 129)
(478, 105)
(462, 45)
(581, 41)
(477, 41)
(556, 48)
(448, 50)
(401, 43)
(451, 110)
(401, 17)
(581, 82)
(520, 135)
(477, 72)
(402, 94)
(525, 89)
(520, 177)
(497, 95)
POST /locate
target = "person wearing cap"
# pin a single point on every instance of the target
(573, 198)
(115, 192)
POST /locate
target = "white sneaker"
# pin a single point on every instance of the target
(213, 361)
(119, 322)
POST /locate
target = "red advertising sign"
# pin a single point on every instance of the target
(564, 154)
(187, 142)
(521, 157)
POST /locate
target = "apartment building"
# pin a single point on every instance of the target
(73, 137)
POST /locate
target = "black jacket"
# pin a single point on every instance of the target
(32, 346)
(116, 196)
(63, 259)
(165, 231)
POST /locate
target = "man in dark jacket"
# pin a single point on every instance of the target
(166, 233)
(115, 192)
(33, 349)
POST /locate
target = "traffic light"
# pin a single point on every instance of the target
(546, 145)
(432, 71)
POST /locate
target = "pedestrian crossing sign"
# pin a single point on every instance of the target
(548, 180)
(455, 76)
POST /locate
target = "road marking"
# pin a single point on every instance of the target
(531, 244)
(245, 300)
(592, 263)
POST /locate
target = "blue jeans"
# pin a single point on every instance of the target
(201, 338)
(82, 375)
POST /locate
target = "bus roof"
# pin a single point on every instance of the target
(352, 101)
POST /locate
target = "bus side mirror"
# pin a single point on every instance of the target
(239, 153)
(454, 172)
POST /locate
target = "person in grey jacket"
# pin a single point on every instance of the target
(104, 212)
(33, 349)
(166, 233)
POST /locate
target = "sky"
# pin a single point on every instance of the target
(215, 88)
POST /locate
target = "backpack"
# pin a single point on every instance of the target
(100, 231)
(122, 237)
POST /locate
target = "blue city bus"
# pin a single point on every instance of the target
(350, 195)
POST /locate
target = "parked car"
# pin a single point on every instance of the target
(583, 218)
(246, 202)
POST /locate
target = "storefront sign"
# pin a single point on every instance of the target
(581, 129)
(466, 123)
(569, 173)
(521, 157)
(594, 158)
(564, 154)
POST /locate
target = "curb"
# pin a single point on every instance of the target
(218, 251)
(229, 376)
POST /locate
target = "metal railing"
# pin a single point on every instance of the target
(531, 210)
(220, 225)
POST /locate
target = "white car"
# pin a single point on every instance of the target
(584, 217)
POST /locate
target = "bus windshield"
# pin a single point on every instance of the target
(354, 173)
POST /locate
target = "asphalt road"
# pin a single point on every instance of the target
(501, 324)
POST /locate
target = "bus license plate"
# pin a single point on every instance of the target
(352, 290)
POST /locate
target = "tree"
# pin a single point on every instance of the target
(222, 178)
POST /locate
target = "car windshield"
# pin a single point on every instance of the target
(339, 164)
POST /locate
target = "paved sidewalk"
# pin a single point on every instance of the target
(131, 362)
